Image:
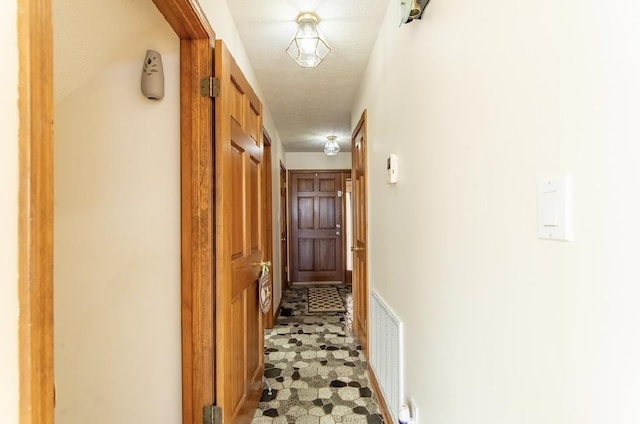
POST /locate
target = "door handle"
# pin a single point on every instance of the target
(357, 249)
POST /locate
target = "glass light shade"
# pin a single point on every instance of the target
(308, 48)
(332, 147)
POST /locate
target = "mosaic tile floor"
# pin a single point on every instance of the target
(316, 367)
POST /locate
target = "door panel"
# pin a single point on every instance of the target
(360, 284)
(326, 213)
(240, 244)
(316, 226)
(305, 213)
(326, 254)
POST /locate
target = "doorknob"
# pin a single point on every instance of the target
(337, 233)
(357, 249)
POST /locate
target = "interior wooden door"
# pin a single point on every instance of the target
(240, 241)
(316, 226)
(284, 256)
(360, 284)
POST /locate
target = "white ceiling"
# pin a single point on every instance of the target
(308, 104)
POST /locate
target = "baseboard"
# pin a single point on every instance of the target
(382, 404)
(278, 309)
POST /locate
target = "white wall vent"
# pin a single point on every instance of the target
(386, 352)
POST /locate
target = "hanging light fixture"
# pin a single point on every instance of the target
(332, 147)
(308, 48)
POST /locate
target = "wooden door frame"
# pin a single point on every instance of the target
(35, 212)
(284, 278)
(268, 218)
(35, 208)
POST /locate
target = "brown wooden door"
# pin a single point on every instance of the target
(316, 226)
(284, 256)
(240, 241)
(360, 285)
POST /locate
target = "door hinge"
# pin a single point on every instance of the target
(209, 86)
(211, 414)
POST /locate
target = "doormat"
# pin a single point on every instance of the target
(325, 299)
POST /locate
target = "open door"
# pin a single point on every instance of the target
(240, 241)
(360, 283)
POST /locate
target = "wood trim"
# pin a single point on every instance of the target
(268, 219)
(382, 404)
(346, 250)
(186, 18)
(197, 206)
(197, 232)
(284, 278)
(35, 225)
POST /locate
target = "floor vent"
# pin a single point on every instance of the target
(386, 352)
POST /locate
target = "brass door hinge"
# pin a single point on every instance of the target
(209, 86)
(211, 414)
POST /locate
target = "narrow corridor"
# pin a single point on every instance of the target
(315, 366)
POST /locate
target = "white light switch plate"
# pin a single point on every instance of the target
(555, 208)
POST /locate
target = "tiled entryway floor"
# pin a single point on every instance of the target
(316, 367)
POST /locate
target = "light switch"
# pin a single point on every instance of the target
(550, 208)
(555, 209)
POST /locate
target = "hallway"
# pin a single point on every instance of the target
(315, 366)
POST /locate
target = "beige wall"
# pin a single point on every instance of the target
(8, 214)
(316, 160)
(117, 235)
(218, 14)
(479, 100)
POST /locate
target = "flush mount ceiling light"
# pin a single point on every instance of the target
(332, 147)
(308, 48)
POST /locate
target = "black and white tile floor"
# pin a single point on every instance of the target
(316, 367)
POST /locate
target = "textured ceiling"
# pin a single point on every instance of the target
(308, 104)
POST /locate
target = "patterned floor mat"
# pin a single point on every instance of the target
(325, 299)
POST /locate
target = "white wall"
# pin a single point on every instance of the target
(316, 160)
(117, 238)
(8, 214)
(219, 16)
(479, 100)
